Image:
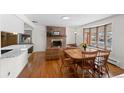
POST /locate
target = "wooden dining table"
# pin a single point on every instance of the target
(76, 54)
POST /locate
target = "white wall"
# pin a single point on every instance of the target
(25, 20)
(39, 38)
(11, 23)
(117, 37)
(70, 36)
(0, 44)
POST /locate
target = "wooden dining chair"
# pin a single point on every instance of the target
(88, 63)
(101, 62)
(67, 64)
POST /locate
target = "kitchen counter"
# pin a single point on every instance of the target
(17, 50)
(13, 62)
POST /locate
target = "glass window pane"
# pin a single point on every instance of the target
(86, 36)
(108, 37)
(93, 37)
(101, 39)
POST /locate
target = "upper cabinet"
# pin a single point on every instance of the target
(11, 23)
(8, 39)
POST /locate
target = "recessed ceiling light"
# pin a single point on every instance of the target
(65, 17)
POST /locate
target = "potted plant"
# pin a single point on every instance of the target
(83, 45)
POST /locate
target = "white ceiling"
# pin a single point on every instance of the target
(75, 19)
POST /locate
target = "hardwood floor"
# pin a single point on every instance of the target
(38, 67)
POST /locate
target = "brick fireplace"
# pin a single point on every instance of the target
(56, 36)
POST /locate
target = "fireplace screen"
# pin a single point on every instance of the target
(57, 43)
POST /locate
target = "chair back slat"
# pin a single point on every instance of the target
(89, 58)
(103, 56)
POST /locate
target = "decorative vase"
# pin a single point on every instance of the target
(84, 48)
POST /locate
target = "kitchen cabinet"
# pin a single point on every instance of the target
(8, 39)
(11, 67)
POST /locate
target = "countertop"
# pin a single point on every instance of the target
(17, 50)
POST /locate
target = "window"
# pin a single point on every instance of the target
(93, 37)
(108, 37)
(86, 36)
(100, 36)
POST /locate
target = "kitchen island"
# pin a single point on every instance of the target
(13, 62)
